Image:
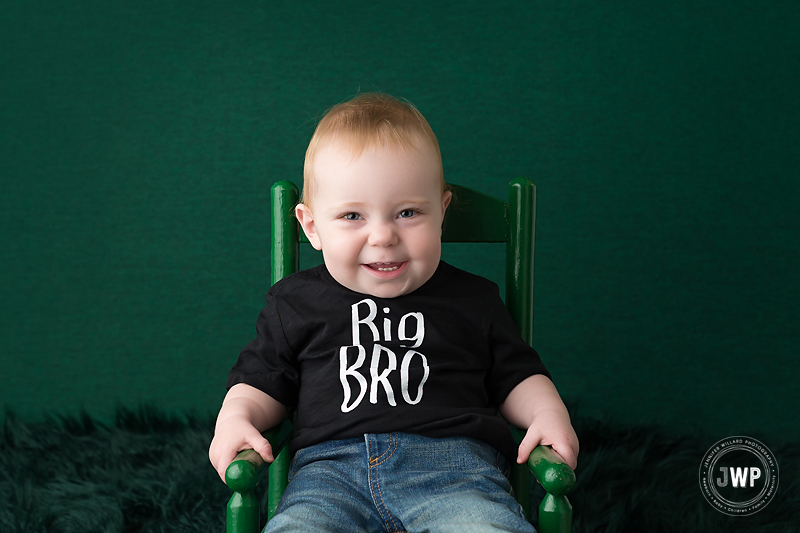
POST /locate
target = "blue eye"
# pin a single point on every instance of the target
(351, 216)
(407, 213)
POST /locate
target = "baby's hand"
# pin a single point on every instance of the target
(233, 435)
(551, 427)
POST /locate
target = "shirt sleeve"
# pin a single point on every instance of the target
(513, 359)
(268, 363)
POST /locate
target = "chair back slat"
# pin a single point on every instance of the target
(475, 217)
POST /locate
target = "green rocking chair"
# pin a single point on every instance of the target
(471, 217)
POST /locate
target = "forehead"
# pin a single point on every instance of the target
(381, 169)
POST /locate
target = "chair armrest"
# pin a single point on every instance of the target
(549, 468)
(247, 469)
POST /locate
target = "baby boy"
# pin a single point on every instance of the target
(396, 362)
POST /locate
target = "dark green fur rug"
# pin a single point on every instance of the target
(149, 472)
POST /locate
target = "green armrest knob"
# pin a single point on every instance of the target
(553, 473)
(247, 469)
(244, 473)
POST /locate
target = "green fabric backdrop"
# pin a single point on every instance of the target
(139, 141)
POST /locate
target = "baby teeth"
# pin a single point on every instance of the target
(385, 269)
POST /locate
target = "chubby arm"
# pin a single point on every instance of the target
(535, 404)
(245, 413)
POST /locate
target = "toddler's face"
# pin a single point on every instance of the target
(377, 218)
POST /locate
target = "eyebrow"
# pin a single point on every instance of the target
(345, 206)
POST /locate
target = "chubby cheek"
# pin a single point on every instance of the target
(430, 249)
(341, 254)
(336, 242)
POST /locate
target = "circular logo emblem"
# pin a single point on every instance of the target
(739, 476)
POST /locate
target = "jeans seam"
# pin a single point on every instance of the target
(377, 461)
(374, 485)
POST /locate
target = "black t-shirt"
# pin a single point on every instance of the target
(436, 362)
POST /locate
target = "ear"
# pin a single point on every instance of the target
(446, 197)
(306, 219)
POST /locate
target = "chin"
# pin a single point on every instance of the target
(386, 293)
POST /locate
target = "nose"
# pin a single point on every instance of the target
(382, 234)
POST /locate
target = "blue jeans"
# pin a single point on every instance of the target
(397, 482)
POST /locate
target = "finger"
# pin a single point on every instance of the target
(264, 449)
(567, 453)
(531, 440)
(253, 439)
(222, 466)
(213, 456)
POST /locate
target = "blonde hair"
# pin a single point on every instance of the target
(366, 121)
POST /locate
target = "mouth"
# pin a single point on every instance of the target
(386, 270)
(385, 267)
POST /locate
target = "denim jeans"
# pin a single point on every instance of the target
(397, 482)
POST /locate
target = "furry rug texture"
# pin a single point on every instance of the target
(149, 472)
